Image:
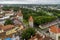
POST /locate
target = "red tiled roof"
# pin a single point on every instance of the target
(31, 18)
(1, 26)
(40, 37)
(7, 27)
(54, 29)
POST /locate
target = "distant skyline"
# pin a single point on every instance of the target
(29, 1)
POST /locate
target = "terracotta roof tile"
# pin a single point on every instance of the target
(54, 29)
(30, 19)
(38, 37)
(7, 27)
(1, 25)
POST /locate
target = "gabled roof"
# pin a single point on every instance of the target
(54, 29)
(38, 37)
(7, 27)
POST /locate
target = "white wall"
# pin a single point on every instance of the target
(54, 35)
(2, 22)
(20, 18)
(31, 24)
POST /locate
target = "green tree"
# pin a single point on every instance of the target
(43, 19)
(8, 21)
(16, 9)
(6, 8)
(26, 34)
(58, 16)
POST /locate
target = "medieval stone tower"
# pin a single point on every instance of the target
(31, 21)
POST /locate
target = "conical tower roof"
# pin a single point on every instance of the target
(30, 18)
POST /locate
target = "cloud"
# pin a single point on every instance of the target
(49, 1)
(29, 1)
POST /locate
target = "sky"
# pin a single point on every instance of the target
(29, 1)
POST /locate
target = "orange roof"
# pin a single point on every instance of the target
(1, 25)
(37, 36)
(54, 29)
(31, 18)
(7, 27)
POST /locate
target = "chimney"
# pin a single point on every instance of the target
(31, 21)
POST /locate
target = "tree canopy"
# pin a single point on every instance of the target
(8, 21)
(26, 34)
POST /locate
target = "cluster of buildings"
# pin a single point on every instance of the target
(7, 31)
(55, 32)
(40, 37)
(53, 28)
